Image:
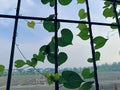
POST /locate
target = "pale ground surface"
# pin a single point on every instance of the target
(107, 81)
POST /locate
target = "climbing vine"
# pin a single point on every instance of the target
(68, 79)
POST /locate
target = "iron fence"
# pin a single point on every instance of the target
(89, 22)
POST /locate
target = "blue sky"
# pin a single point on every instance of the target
(30, 40)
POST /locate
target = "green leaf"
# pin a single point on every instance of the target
(97, 57)
(43, 49)
(72, 79)
(51, 46)
(86, 73)
(82, 14)
(84, 34)
(80, 1)
(108, 12)
(114, 27)
(82, 26)
(62, 57)
(66, 38)
(51, 2)
(41, 57)
(49, 25)
(31, 24)
(107, 4)
(99, 42)
(19, 63)
(87, 85)
(32, 63)
(2, 68)
(65, 2)
(45, 1)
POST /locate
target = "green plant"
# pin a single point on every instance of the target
(68, 79)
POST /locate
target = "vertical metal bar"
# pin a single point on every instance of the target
(13, 47)
(56, 45)
(116, 15)
(92, 47)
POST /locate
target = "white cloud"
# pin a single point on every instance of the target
(6, 6)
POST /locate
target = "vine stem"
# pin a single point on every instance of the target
(92, 47)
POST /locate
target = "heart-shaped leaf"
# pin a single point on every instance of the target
(65, 2)
(19, 63)
(108, 12)
(62, 57)
(31, 24)
(99, 42)
(49, 25)
(84, 34)
(84, 31)
(82, 14)
(66, 38)
(86, 73)
(72, 79)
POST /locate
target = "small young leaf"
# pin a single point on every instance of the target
(107, 4)
(82, 14)
(66, 39)
(114, 27)
(97, 57)
(80, 1)
(99, 42)
(19, 63)
(87, 74)
(65, 2)
(31, 24)
(2, 68)
(72, 79)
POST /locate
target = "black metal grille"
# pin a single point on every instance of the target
(17, 17)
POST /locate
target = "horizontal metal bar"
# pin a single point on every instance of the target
(59, 20)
